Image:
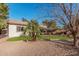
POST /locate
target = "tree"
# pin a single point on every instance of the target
(3, 15)
(67, 15)
(33, 29)
(24, 20)
(46, 23)
(70, 18)
(50, 23)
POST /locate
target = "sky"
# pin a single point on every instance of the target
(36, 11)
(30, 11)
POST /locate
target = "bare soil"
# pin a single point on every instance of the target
(37, 48)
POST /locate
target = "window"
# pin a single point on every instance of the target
(19, 28)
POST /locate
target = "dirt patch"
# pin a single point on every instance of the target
(36, 48)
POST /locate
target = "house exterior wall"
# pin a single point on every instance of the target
(12, 31)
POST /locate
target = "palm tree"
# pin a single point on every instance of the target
(33, 29)
(3, 15)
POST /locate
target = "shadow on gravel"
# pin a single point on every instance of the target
(64, 42)
(67, 45)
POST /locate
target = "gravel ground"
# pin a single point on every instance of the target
(36, 48)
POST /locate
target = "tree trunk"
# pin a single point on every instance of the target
(74, 41)
(34, 36)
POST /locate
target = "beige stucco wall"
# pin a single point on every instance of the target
(12, 29)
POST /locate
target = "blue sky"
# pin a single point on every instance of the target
(35, 11)
(28, 10)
